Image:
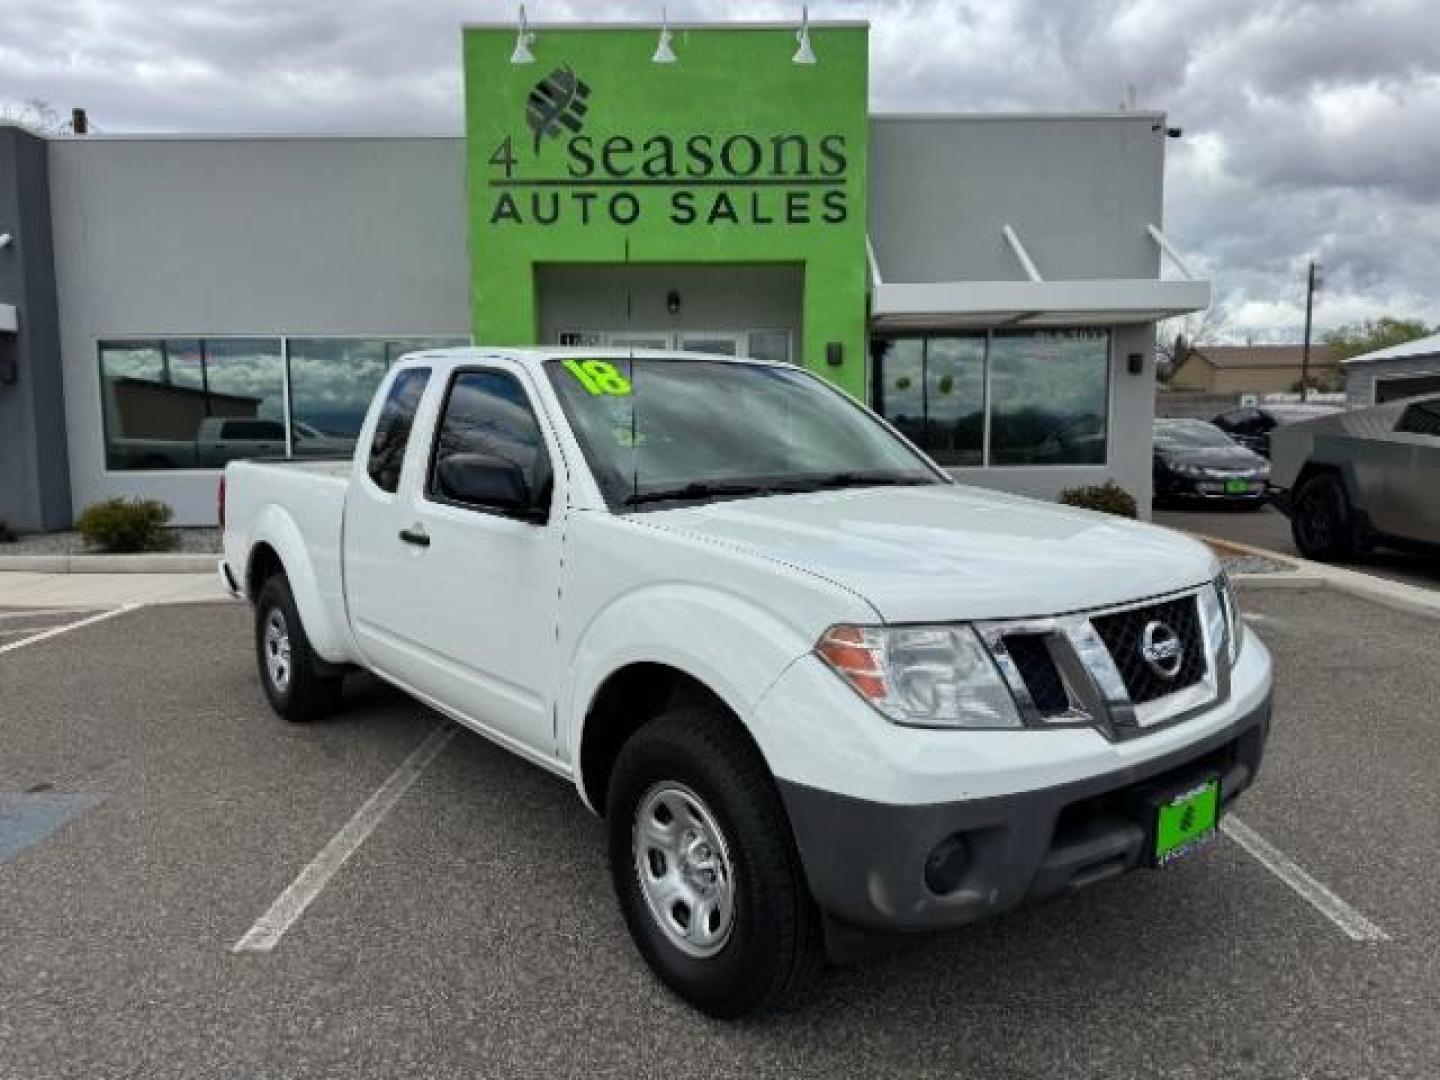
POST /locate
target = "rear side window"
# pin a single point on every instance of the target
(1422, 418)
(392, 430)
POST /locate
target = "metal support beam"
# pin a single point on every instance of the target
(1164, 245)
(1021, 254)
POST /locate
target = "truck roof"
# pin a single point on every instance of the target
(536, 355)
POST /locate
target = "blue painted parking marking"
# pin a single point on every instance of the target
(27, 819)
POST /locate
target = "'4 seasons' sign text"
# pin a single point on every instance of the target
(699, 178)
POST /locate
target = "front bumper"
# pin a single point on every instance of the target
(866, 861)
(1184, 487)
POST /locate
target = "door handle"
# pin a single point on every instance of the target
(415, 536)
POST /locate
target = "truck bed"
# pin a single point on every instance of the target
(310, 493)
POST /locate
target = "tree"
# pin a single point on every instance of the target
(1354, 339)
(38, 116)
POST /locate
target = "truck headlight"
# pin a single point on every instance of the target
(922, 676)
(1234, 626)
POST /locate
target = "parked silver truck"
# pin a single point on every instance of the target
(1361, 479)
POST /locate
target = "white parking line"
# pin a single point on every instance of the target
(291, 904)
(55, 631)
(1354, 925)
(41, 612)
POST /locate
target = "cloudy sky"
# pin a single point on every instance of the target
(1312, 127)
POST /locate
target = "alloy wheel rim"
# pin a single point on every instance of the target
(684, 868)
(277, 650)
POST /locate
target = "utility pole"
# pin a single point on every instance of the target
(1310, 286)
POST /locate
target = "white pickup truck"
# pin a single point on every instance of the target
(819, 691)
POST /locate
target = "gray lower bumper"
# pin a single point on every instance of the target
(866, 862)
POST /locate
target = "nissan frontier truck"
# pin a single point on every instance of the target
(821, 694)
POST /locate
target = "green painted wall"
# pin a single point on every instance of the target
(732, 155)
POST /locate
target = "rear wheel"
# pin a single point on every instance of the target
(293, 676)
(705, 867)
(1322, 521)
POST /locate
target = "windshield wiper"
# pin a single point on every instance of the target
(701, 490)
(867, 479)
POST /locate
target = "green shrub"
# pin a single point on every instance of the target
(1109, 498)
(123, 525)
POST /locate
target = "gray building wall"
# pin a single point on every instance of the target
(266, 236)
(1079, 191)
(34, 473)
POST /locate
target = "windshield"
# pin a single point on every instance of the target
(658, 431)
(1189, 434)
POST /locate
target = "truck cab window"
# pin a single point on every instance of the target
(392, 430)
(489, 450)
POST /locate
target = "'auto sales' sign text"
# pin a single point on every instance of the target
(693, 178)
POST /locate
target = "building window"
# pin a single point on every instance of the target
(171, 403)
(1049, 397)
(196, 403)
(1005, 398)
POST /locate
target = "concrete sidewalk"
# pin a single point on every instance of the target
(107, 590)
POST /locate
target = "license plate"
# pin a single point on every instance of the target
(1186, 822)
(1237, 487)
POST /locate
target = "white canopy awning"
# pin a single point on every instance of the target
(1101, 302)
(1034, 301)
(8, 322)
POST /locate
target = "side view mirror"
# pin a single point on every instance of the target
(482, 480)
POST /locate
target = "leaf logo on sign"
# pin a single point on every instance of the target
(558, 101)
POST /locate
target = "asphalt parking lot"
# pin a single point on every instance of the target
(1268, 528)
(152, 808)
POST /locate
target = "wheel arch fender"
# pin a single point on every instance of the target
(723, 643)
(275, 532)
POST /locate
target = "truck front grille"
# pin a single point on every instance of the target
(1031, 653)
(1124, 634)
(1111, 668)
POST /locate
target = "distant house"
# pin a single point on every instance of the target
(1386, 374)
(1250, 369)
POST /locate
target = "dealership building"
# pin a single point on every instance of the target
(988, 282)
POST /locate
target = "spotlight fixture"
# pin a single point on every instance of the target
(664, 54)
(804, 54)
(523, 40)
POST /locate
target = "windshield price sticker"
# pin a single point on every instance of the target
(599, 377)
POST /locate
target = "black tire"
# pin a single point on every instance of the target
(1322, 521)
(773, 946)
(306, 692)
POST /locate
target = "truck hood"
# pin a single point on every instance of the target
(945, 553)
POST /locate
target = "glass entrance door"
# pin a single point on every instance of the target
(772, 345)
(721, 343)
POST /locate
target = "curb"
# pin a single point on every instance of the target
(1411, 599)
(162, 563)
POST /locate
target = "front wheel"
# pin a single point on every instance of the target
(705, 867)
(1322, 521)
(293, 676)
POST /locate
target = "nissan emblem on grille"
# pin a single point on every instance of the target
(1161, 648)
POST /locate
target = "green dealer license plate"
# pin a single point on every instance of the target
(1238, 487)
(1186, 822)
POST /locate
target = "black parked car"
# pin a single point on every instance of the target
(1196, 460)
(1251, 425)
